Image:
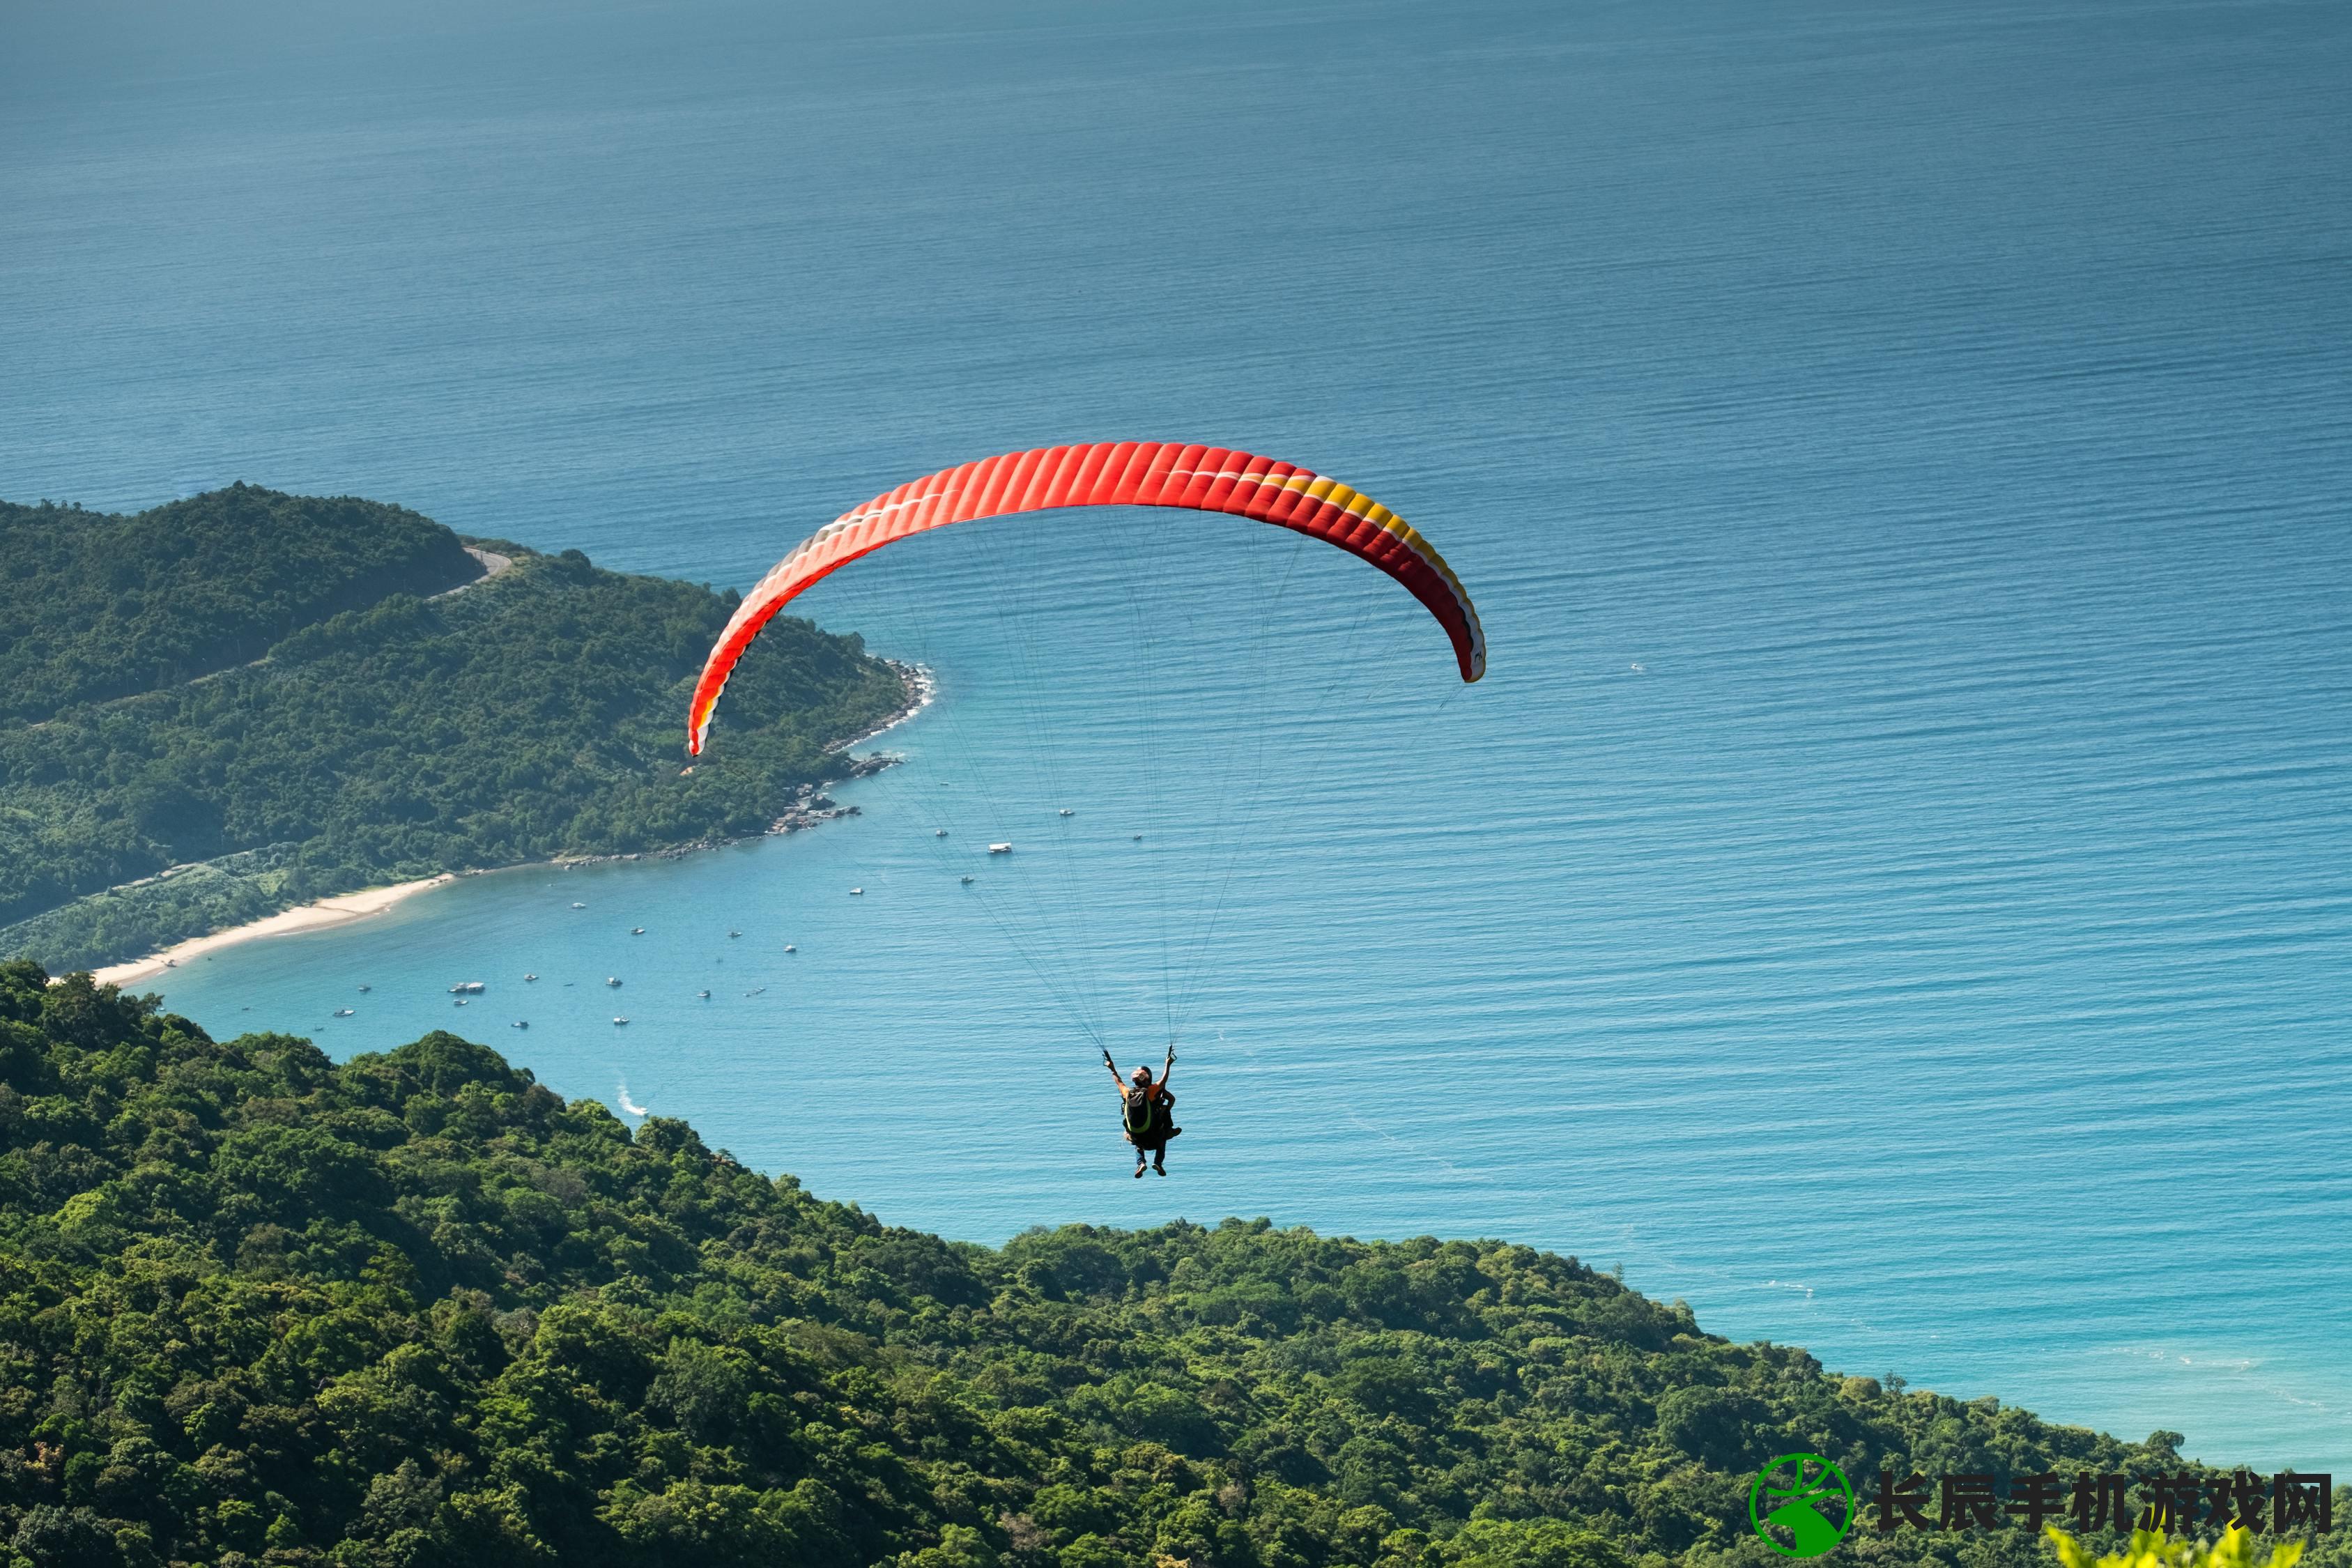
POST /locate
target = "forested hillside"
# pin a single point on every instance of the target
(95, 605)
(418, 1309)
(536, 713)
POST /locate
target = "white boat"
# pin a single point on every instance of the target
(734, 933)
(967, 881)
(342, 1012)
(857, 892)
(612, 980)
(618, 1019)
(636, 930)
(529, 977)
(367, 987)
(519, 1024)
(466, 988)
(579, 906)
(704, 994)
(1067, 812)
(938, 833)
(789, 947)
(461, 1001)
(1000, 849)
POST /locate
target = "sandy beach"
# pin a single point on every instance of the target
(922, 688)
(309, 917)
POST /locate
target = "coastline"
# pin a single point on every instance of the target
(338, 911)
(809, 809)
(922, 689)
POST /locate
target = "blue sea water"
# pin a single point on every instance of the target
(1893, 888)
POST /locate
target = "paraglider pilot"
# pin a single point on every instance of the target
(1146, 1110)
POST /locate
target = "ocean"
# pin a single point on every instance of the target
(1893, 889)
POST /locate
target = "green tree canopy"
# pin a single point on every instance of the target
(414, 1309)
(535, 714)
(94, 605)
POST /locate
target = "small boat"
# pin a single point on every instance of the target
(857, 892)
(461, 1001)
(759, 992)
(967, 881)
(579, 906)
(367, 988)
(636, 930)
(618, 1019)
(466, 988)
(342, 1012)
(704, 994)
(1138, 838)
(734, 933)
(789, 947)
(612, 980)
(519, 1024)
(170, 963)
(527, 978)
(1067, 812)
(1000, 849)
(938, 833)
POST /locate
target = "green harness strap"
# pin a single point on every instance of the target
(1151, 1117)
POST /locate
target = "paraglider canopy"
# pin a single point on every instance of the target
(1109, 473)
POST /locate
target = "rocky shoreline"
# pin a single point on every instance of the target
(811, 806)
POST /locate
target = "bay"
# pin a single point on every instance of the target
(1935, 952)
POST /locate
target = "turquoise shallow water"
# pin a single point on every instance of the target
(1935, 954)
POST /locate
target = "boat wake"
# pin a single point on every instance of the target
(626, 1104)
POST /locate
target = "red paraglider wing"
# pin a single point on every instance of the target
(1104, 473)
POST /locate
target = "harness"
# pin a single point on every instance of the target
(1148, 1109)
